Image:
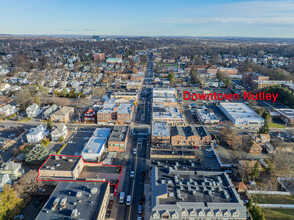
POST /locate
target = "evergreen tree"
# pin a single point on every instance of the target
(10, 203)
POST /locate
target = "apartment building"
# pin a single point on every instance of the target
(190, 136)
(62, 115)
(257, 85)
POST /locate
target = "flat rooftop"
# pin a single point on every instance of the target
(160, 129)
(119, 133)
(85, 198)
(59, 162)
(178, 190)
(239, 110)
(97, 141)
(287, 112)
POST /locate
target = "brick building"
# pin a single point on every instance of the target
(118, 139)
(190, 135)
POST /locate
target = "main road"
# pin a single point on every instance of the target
(134, 186)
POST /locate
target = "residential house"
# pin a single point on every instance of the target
(4, 86)
(59, 131)
(4, 179)
(36, 134)
(33, 110)
(14, 170)
(90, 116)
(255, 148)
(7, 110)
(62, 115)
(261, 138)
(48, 111)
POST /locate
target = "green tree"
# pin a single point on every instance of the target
(255, 172)
(228, 83)
(265, 128)
(38, 154)
(50, 124)
(61, 138)
(10, 203)
(194, 76)
(37, 100)
(221, 76)
(172, 78)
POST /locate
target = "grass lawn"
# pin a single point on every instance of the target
(275, 125)
(26, 119)
(270, 214)
(273, 199)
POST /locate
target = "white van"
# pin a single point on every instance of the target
(128, 202)
(121, 197)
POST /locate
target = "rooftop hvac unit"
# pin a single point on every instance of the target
(75, 213)
(63, 201)
(70, 160)
(57, 158)
(94, 190)
(79, 194)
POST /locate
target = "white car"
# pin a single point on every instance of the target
(135, 151)
(209, 149)
(132, 174)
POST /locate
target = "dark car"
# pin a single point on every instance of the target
(39, 201)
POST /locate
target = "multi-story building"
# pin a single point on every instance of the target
(257, 85)
(125, 113)
(118, 139)
(182, 194)
(116, 113)
(189, 136)
(99, 56)
(90, 116)
(160, 132)
(248, 77)
(62, 115)
(286, 115)
(60, 167)
(77, 200)
(36, 134)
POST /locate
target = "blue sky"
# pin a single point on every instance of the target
(149, 17)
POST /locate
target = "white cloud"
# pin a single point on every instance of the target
(249, 12)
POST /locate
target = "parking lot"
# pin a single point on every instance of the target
(77, 143)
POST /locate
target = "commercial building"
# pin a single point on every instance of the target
(116, 113)
(128, 96)
(248, 77)
(286, 115)
(125, 113)
(62, 115)
(189, 136)
(258, 85)
(114, 60)
(228, 71)
(98, 56)
(182, 194)
(118, 139)
(241, 115)
(160, 132)
(61, 167)
(96, 144)
(77, 200)
(203, 69)
(206, 117)
(169, 114)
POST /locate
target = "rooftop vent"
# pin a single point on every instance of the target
(94, 190)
